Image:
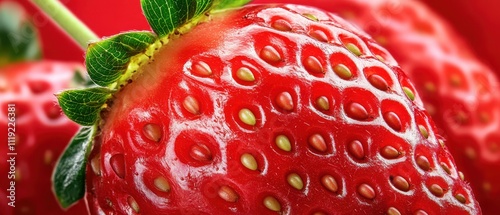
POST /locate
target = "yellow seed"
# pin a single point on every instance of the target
(295, 181)
(245, 74)
(323, 103)
(272, 203)
(310, 16)
(133, 204)
(409, 93)
(342, 71)
(249, 161)
(247, 117)
(283, 143)
(461, 175)
(162, 184)
(423, 131)
(353, 48)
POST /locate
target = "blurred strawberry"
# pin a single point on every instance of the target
(478, 21)
(31, 124)
(458, 90)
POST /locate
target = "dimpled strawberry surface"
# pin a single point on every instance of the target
(271, 109)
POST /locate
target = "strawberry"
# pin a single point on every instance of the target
(478, 22)
(456, 88)
(33, 131)
(262, 109)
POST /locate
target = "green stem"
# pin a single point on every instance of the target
(68, 21)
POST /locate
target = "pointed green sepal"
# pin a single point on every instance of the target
(108, 60)
(227, 4)
(83, 106)
(69, 176)
(18, 37)
(164, 16)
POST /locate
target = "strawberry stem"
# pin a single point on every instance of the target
(76, 29)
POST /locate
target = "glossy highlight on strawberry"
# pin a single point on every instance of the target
(271, 112)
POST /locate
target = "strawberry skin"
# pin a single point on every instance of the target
(478, 22)
(271, 109)
(42, 133)
(457, 89)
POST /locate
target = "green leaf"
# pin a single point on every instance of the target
(18, 38)
(84, 105)
(164, 16)
(108, 59)
(69, 175)
(227, 4)
(203, 6)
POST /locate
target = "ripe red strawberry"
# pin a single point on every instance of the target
(32, 129)
(256, 110)
(479, 23)
(41, 134)
(457, 89)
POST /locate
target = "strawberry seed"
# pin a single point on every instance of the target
(356, 111)
(353, 48)
(436, 190)
(393, 211)
(281, 25)
(228, 194)
(423, 163)
(389, 152)
(270, 55)
(313, 65)
(249, 161)
(162, 184)
(247, 117)
(461, 198)
(285, 101)
(200, 152)
(192, 105)
(133, 204)
(355, 148)
(392, 119)
(420, 212)
(283, 143)
(423, 131)
(409, 93)
(272, 203)
(319, 35)
(316, 141)
(245, 74)
(378, 82)
(400, 183)
(202, 69)
(366, 191)
(322, 103)
(153, 132)
(295, 181)
(329, 183)
(342, 71)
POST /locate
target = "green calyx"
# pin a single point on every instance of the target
(111, 63)
(18, 37)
